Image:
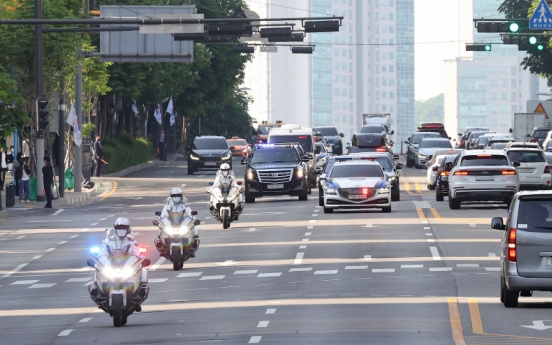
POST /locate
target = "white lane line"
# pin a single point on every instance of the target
(383, 270)
(434, 253)
(228, 263)
(212, 277)
(312, 221)
(183, 185)
(492, 269)
(20, 237)
(57, 212)
(62, 242)
(41, 286)
(356, 267)
(308, 233)
(467, 265)
(270, 311)
(305, 240)
(431, 241)
(36, 257)
(86, 229)
(245, 272)
(50, 249)
(255, 339)
(427, 228)
(157, 264)
(15, 270)
(302, 269)
(74, 236)
(65, 332)
(440, 269)
(157, 280)
(86, 319)
(93, 224)
(111, 215)
(189, 274)
(263, 324)
(326, 272)
(368, 225)
(412, 266)
(472, 225)
(316, 211)
(367, 257)
(250, 229)
(314, 215)
(429, 234)
(24, 282)
(269, 275)
(87, 284)
(310, 227)
(77, 280)
(302, 247)
(298, 258)
(492, 255)
(103, 219)
(424, 221)
(201, 176)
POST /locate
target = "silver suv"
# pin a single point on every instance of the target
(526, 255)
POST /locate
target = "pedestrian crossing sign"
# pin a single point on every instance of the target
(540, 110)
(541, 18)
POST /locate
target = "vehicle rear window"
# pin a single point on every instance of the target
(498, 146)
(483, 160)
(372, 129)
(435, 143)
(280, 155)
(534, 215)
(210, 144)
(526, 156)
(236, 142)
(417, 137)
(476, 135)
(548, 157)
(326, 131)
(540, 133)
(360, 170)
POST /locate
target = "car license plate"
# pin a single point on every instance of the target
(353, 197)
(210, 163)
(526, 170)
(484, 178)
(275, 186)
(548, 261)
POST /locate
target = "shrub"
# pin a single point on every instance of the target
(126, 152)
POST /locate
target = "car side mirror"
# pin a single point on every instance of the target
(197, 222)
(155, 222)
(146, 262)
(305, 158)
(498, 223)
(91, 262)
(398, 166)
(157, 213)
(435, 168)
(194, 213)
(341, 135)
(396, 157)
(232, 148)
(516, 164)
(392, 132)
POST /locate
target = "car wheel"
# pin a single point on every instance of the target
(454, 204)
(190, 171)
(526, 293)
(249, 199)
(438, 194)
(328, 210)
(396, 196)
(409, 163)
(510, 298)
(386, 209)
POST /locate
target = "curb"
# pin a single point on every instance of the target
(136, 168)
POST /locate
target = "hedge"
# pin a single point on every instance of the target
(125, 152)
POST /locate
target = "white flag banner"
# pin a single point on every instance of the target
(115, 115)
(158, 113)
(172, 119)
(170, 110)
(73, 121)
(134, 108)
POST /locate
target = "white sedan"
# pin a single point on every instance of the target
(432, 171)
(356, 184)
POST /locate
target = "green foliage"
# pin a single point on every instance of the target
(431, 110)
(11, 115)
(88, 129)
(126, 152)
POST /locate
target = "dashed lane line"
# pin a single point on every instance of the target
(86, 319)
(189, 274)
(157, 264)
(20, 237)
(435, 253)
(93, 224)
(269, 275)
(262, 324)
(24, 282)
(298, 258)
(65, 332)
(383, 270)
(303, 247)
(326, 272)
(255, 339)
(356, 267)
(270, 311)
(57, 212)
(302, 269)
(15, 270)
(246, 271)
(212, 277)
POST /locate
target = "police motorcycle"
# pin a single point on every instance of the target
(178, 238)
(226, 202)
(121, 281)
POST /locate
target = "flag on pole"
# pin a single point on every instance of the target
(158, 113)
(134, 108)
(73, 121)
(170, 110)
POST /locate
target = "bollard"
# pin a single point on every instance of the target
(8, 195)
(11, 188)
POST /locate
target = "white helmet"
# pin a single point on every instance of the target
(176, 195)
(122, 227)
(225, 169)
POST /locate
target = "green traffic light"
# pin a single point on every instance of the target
(487, 47)
(533, 40)
(513, 27)
(540, 47)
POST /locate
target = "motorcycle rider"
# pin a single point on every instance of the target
(119, 236)
(225, 176)
(177, 206)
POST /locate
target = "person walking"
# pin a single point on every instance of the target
(162, 146)
(48, 178)
(22, 176)
(98, 156)
(3, 167)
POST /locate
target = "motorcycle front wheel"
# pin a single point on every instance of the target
(117, 308)
(225, 219)
(175, 256)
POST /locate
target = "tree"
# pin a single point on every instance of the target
(12, 116)
(431, 110)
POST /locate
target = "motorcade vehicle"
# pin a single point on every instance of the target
(391, 170)
(498, 146)
(436, 127)
(377, 119)
(375, 129)
(461, 141)
(427, 148)
(548, 156)
(276, 169)
(371, 142)
(332, 138)
(498, 139)
(261, 133)
(522, 144)
(226, 202)
(412, 144)
(481, 142)
(526, 247)
(547, 140)
(321, 154)
(239, 147)
(548, 147)
(208, 153)
(533, 169)
(482, 175)
(433, 165)
(356, 184)
(472, 138)
(441, 182)
(539, 134)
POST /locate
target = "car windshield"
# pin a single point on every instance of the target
(483, 140)
(265, 129)
(236, 142)
(534, 214)
(304, 140)
(360, 170)
(526, 156)
(326, 131)
(435, 143)
(356, 149)
(417, 138)
(498, 146)
(540, 133)
(373, 129)
(210, 144)
(275, 155)
(484, 160)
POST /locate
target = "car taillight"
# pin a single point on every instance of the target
(547, 169)
(533, 140)
(512, 252)
(509, 172)
(444, 173)
(459, 172)
(381, 149)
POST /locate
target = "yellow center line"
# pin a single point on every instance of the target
(407, 188)
(420, 213)
(418, 189)
(435, 213)
(456, 322)
(113, 189)
(475, 316)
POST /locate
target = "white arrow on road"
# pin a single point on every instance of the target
(538, 325)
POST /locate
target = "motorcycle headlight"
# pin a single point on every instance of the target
(127, 272)
(391, 179)
(227, 156)
(111, 273)
(194, 157)
(250, 174)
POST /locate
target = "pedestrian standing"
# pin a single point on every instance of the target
(16, 164)
(22, 176)
(9, 160)
(26, 150)
(48, 178)
(162, 146)
(98, 156)
(3, 168)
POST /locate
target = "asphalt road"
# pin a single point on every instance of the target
(285, 273)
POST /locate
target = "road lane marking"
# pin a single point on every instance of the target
(74, 236)
(308, 233)
(263, 324)
(440, 269)
(492, 269)
(36, 257)
(62, 242)
(57, 212)
(434, 253)
(427, 228)
(424, 221)
(316, 211)
(113, 189)
(302, 269)
(429, 234)
(268, 275)
(245, 272)
(305, 240)
(472, 225)
(86, 319)
(298, 258)
(255, 339)
(41, 286)
(85, 229)
(314, 215)
(103, 219)
(477, 325)
(157, 264)
(270, 311)
(228, 263)
(157, 280)
(212, 277)
(24, 282)
(367, 257)
(383, 270)
(456, 322)
(312, 221)
(310, 227)
(431, 240)
(50, 249)
(420, 212)
(74, 280)
(189, 274)
(15, 270)
(418, 189)
(492, 255)
(407, 188)
(435, 213)
(20, 237)
(412, 266)
(326, 272)
(65, 332)
(302, 247)
(356, 267)
(467, 265)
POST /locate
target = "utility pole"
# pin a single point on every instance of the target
(77, 166)
(61, 141)
(39, 84)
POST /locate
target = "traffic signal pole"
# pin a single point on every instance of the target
(39, 83)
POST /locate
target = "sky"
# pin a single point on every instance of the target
(435, 27)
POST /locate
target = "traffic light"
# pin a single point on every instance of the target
(514, 39)
(492, 26)
(513, 27)
(42, 114)
(478, 47)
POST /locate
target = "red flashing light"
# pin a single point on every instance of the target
(381, 149)
(484, 155)
(364, 191)
(303, 137)
(512, 250)
(463, 173)
(432, 126)
(509, 172)
(240, 183)
(142, 250)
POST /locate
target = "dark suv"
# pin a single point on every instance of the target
(412, 144)
(208, 153)
(370, 142)
(276, 169)
(332, 137)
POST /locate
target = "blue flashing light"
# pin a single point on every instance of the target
(265, 146)
(95, 250)
(344, 159)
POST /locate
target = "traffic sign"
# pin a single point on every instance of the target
(540, 110)
(541, 18)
